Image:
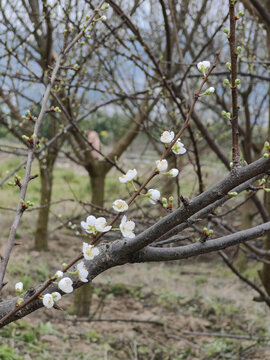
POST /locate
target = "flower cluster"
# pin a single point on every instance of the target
(94, 225)
(48, 300)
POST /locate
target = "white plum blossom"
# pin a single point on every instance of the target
(89, 251)
(162, 165)
(127, 228)
(48, 301)
(89, 225)
(129, 176)
(208, 91)
(173, 172)
(100, 225)
(65, 285)
(203, 66)
(56, 296)
(82, 272)
(94, 225)
(120, 205)
(167, 137)
(59, 274)
(39, 32)
(179, 148)
(153, 195)
(19, 287)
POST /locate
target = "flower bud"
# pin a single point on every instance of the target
(237, 82)
(239, 49)
(164, 202)
(233, 194)
(266, 144)
(210, 91)
(226, 82)
(241, 14)
(228, 65)
(266, 156)
(226, 31)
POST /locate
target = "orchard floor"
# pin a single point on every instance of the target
(193, 309)
(188, 310)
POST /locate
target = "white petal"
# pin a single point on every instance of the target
(91, 220)
(84, 225)
(56, 296)
(107, 228)
(129, 234)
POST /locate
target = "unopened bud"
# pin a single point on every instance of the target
(164, 202)
(239, 49)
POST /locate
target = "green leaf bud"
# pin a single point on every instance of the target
(239, 49)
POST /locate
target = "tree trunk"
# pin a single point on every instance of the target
(46, 180)
(246, 223)
(97, 188)
(83, 296)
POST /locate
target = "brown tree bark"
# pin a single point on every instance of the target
(46, 182)
(97, 174)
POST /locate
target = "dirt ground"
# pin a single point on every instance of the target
(184, 310)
